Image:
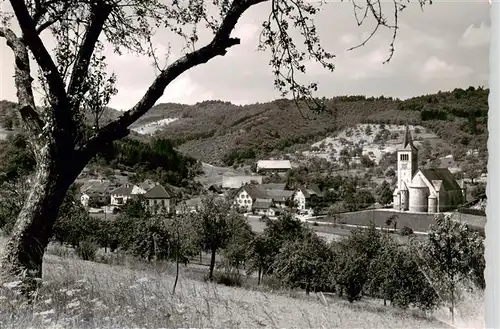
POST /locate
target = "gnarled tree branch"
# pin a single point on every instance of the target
(217, 47)
(23, 82)
(57, 93)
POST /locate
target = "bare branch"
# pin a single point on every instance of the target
(35, 44)
(217, 47)
(99, 15)
(373, 8)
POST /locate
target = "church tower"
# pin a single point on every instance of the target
(407, 160)
(407, 167)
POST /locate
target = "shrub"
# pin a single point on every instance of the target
(405, 231)
(230, 278)
(87, 249)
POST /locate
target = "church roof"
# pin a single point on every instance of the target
(449, 183)
(418, 181)
(408, 140)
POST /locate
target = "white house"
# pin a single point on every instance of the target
(122, 194)
(159, 199)
(247, 195)
(303, 194)
(268, 195)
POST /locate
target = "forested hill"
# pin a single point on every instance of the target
(214, 131)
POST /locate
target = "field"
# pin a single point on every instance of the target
(79, 294)
(418, 222)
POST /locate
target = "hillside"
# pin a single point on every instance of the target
(82, 294)
(222, 133)
(219, 132)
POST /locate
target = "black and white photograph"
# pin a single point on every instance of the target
(245, 164)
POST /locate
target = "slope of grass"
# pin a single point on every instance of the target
(79, 294)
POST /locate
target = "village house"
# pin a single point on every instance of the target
(247, 195)
(304, 194)
(264, 207)
(423, 190)
(158, 199)
(280, 198)
(155, 196)
(96, 193)
(273, 166)
(263, 199)
(122, 194)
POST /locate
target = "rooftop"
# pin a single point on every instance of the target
(274, 164)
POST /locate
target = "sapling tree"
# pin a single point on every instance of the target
(236, 251)
(304, 263)
(450, 256)
(76, 85)
(184, 243)
(213, 227)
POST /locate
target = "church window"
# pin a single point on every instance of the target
(404, 157)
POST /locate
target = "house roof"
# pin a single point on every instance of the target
(125, 189)
(277, 195)
(157, 192)
(255, 191)
(262, 204)
(274, 186)
(147, 184)
(449, 183)
(215, 188)
(97, 188)
(274, 164)
(232, 193)
(310, 189)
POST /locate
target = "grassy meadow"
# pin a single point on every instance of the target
(80, 294)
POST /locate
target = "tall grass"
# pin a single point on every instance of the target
(81, 294)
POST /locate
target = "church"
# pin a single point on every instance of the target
(429, 190)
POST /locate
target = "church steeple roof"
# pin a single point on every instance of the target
(407, 139)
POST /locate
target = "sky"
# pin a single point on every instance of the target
(442, 47)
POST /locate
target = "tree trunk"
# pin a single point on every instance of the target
(452, 308)
(23, 254)
(259, 275)
(212, 264)
(176, 270)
